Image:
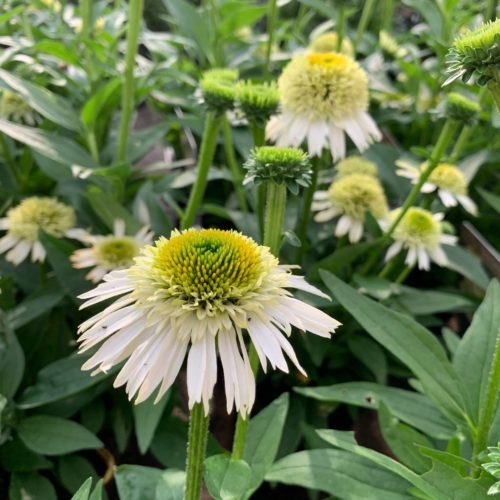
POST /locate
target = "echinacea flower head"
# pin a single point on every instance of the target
(323, 97)
(192, 295)
(356, 165)
(327, 42)
(218, 88)
(258, 101)
(447, 179)
(351, 197)
(107, 253)
(24, 221)
(288, 166)
(421, 233)
(14, 107)
(476, 53)
(462, 109)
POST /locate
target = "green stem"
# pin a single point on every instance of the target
(259, 138)
(272, 15)
(491, 8)
(236, 172)
(488, 409)
(275, 217)
(443, 141)
(305, 212)
(86, 13)
(363, 21)
(403, 274)
(196, 449)
(460, 144)
(494, 88)
(388, 268)
(340, 25)
(133, 29)
(388, 15)
(208, 144)
(92, 143)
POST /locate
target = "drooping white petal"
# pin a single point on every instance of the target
(447, 198)
(119, 228)
(7, 242)
(337, 143)
(393, 250)
(326, 215)
(423, 259)
(448, 239)
(411, 256)
(356, 231)
(468, 204)
(343, 226)
(19, 252)
(439, 257)
(317, 137)
(300, 283)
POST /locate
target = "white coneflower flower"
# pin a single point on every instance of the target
(107, 253)
(323, 97)
(351, 197)
(15, 107)
(448, 180)
(421, 233)
(194, 294)
(25, 220)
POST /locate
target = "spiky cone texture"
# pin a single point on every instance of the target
(258, 101)
(289, 166)
(107, 253)
(218, 89)
(323, 97)
(448, 180)
(23, 223)
(476, 53)
(420, 233)
(327, 42)
(196, 294)
(356, 165)
(351, 197)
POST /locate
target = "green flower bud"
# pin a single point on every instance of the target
(327, 42)
(461, 108)
(218, 88)
(258, 101)
(288, 166)
(356, 165)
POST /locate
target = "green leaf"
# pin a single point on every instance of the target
(108, 210)
(403, 441)
(474, 354)
(11, 361)
(460, 464)
(346, 441)
(409, 341)
(321, 7)
(371, 355)
(52, 146)
(15, 457)
(193, 25)
(98, 101)
(467, 264)
(263, 439)
(342, 474)
(83, 492)
(30, 486)
(73, 470)
(492, 199)
(342, 257)
(171, 485)
(226, 479)
(71, 280)
(35, 305)
(55, 436)
(147, 415)
(59, 380)
(411, 407)
(52, 106)
(135, 482)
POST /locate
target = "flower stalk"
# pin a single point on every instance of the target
(363, 21)
(487, 413)
(272, 16)
(196, 449)
(236, 172)
(208, 144)
(445, 137)
(305, 213)
(133, 30)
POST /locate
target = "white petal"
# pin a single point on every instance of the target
(7, 242)
(343, 226)
(439, 257)
(393, 250)
(263, 337)
(447, 198)
(326, 215)
(468, 204)
(300, 283)
(19, 252)
(119, 228)
(317, 137)
(448, 239)
(369, 126)
(428, 187)
(355, 132)
(411, 257)
(423, 259)
(337, 143)
(356, 231)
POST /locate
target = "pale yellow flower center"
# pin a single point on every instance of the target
(113, 252)
(37, 213)
(418, 227)
(450, 178)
